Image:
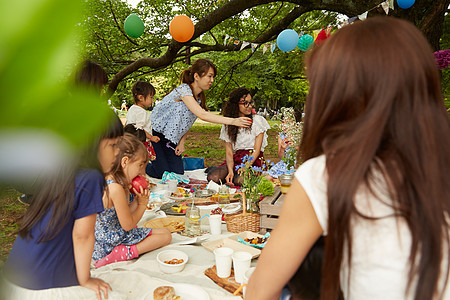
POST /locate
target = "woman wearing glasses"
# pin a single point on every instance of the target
(176, 113)
(242, 141)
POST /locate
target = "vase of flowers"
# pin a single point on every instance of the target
(254, 184)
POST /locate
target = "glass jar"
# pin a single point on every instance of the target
(285, 181)
(192, 221)
(224, 194)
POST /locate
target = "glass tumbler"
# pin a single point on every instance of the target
(192, 221)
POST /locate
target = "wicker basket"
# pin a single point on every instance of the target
(244, 221)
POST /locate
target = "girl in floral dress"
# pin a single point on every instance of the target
(116, 235)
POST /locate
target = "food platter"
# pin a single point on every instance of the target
(167, 208)
(174, 224)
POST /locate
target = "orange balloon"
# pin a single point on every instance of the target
(181, 28)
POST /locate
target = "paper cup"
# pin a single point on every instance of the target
(223, 261)
(241, 263)
(247, 275)
(215, 224)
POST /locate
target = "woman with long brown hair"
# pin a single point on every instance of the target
(376, 146)
(176, 113)
(240, 142)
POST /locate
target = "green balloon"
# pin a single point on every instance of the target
(134, 26)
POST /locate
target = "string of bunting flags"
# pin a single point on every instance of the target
(289, 39)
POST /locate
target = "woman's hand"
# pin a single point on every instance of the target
(229, 178)
(180, 149)
(154, 139)
(98, 286)
(242, 122)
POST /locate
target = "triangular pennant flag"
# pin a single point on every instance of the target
(315, 33)
(391, 4)
(244, 44)
(236, 41)
(254, 47)
(362, 16)
(385, 6)
(265, 48)
(352, 19)
(272, 47)
(225, 40)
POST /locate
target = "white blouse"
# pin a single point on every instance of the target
(380, 249)
(246, 138)
(140, 117)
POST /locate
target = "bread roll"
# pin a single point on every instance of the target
(164, 293)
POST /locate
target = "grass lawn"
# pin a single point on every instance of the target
(202, 141)
(10, 212)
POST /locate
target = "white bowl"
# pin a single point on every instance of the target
(169, 255)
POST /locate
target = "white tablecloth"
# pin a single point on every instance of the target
(136, 279)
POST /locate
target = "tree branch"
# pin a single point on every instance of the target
(120, 27)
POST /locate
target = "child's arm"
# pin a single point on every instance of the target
(128, 219)
(257, 148)
(152, 138)
(83, 246)
(230, 162)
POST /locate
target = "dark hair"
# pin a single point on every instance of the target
(231, 110)
(58, 191)
(201, 66)
(142, 88)
(375, 104)
(139, 133)
(92, 75)
(130, 147)
(305, 283)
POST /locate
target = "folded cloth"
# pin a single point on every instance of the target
(170, 176)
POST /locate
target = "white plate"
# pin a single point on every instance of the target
(185, 291)
(180, 199)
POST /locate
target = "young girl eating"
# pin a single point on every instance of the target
(242, 141)
(116, 238)
(56, 235)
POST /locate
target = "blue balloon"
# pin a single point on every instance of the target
(287, 40)
(405, 3)
(305, 42)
